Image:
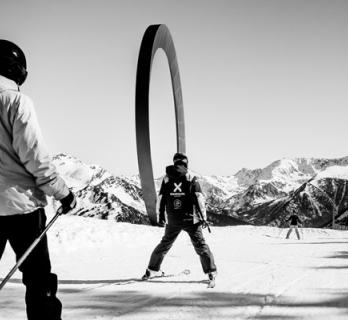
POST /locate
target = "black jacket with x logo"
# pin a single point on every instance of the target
(178, 202)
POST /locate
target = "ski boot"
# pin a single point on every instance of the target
(211, 279)
(152, 274)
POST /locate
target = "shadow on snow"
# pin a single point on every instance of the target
(219, 304)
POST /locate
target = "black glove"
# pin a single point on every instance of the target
(68, 203)
(161, 222)
(205, 224)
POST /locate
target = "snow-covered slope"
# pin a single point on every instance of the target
(260, 274)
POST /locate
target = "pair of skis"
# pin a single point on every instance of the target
(161, 274)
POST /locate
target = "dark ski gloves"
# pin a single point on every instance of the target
(68, 203)
(205, 224)
(161, 223)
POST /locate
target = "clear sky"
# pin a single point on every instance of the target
(261, 80)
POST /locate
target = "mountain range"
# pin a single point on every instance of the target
(315, 189)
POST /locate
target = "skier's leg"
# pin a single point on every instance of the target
(201, 248)
(297, 233)
(3, 237)
(2, 245)
(289, 232)
(41, 284)
(157, 256)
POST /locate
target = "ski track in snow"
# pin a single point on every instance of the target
(260, 274)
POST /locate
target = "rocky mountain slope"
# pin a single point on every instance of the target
(316, 189)
(101, 194)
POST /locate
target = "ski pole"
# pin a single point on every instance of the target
(206, 225)
(31, 248)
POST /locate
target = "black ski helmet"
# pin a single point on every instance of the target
(180, 158)
(13, 64)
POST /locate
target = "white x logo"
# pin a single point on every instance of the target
(177, 187)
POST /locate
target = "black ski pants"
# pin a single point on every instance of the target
(41, 285)
(197, 239)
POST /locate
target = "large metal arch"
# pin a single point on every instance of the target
(155, 37)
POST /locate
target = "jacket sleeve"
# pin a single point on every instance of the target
(200, 199)
(160, 204)
(31, 150)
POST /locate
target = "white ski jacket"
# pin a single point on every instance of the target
(27, 174)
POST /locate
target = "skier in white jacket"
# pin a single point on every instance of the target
(26, 177)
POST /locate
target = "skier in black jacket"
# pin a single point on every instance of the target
(294, 221)
(181, 206)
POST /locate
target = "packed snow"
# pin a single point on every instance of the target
(261, 275)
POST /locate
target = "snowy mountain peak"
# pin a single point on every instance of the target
(103, 195)
(289, 172)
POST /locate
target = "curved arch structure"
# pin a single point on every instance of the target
(155, 37)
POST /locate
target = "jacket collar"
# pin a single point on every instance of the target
(7, 84)
(176, 171)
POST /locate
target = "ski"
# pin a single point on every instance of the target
(211, 279)
(185, 272)
(146, 277)
(211, 283)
